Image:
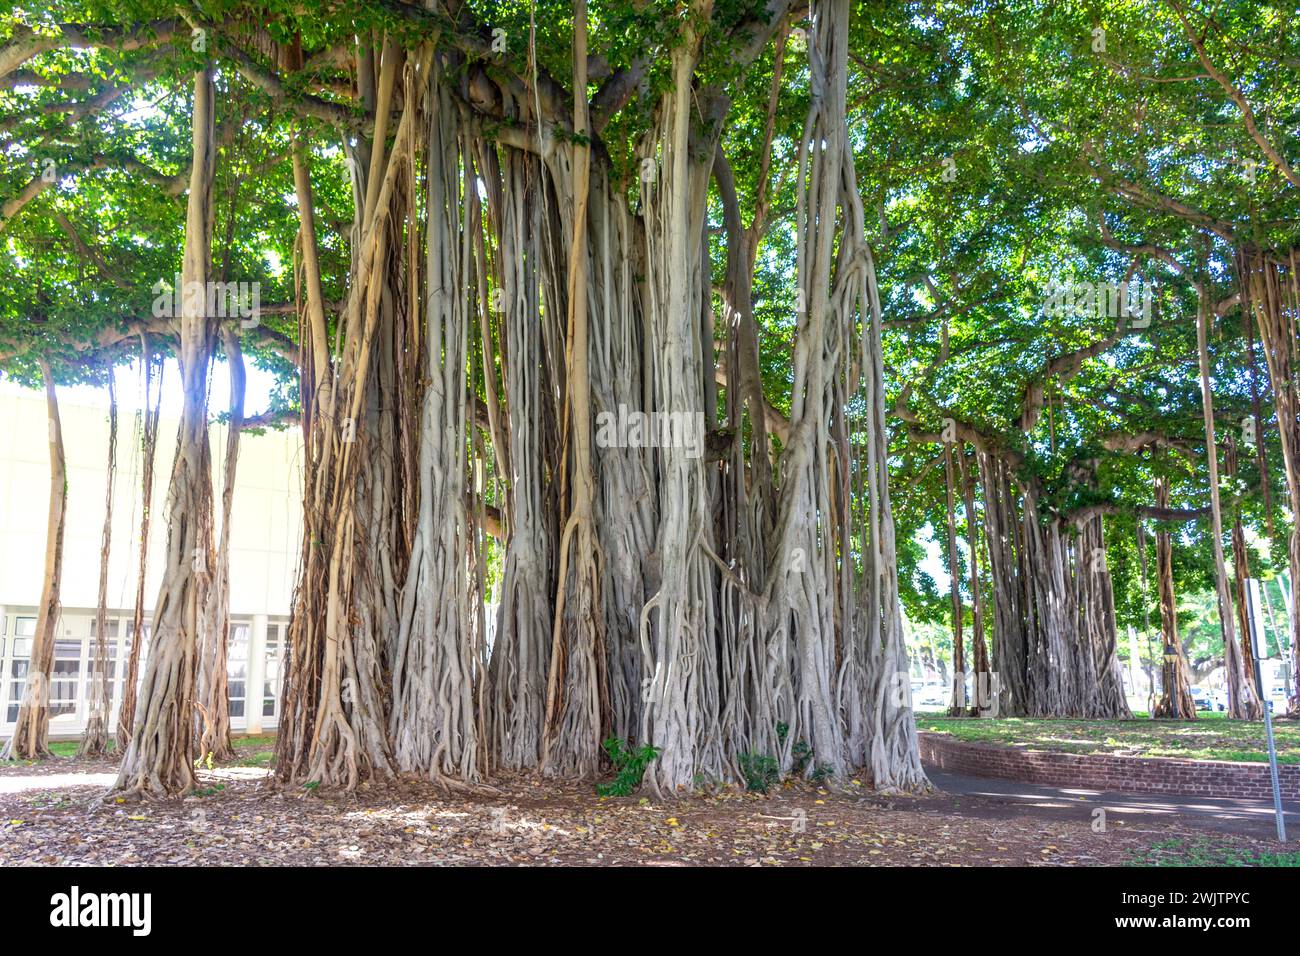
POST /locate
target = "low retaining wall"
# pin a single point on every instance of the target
(1202, 778)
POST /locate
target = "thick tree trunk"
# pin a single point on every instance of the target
(1176, 697)
(1271, 287)
(754, 696)
(880, 728)
(30, 740)
(213, 697)
(148, 448)
(1240, 568)
(982, 677)
(159, 760)
(681, 712)
(958, 705)
(1054, 617)
(802, 583)
(358, 507)
(1243, 703)
(94, 739)
(626, 506)
(1097, 632)
(435, 724)
(521, 650)
(1010, 634)
(576, 696)
(1056, 670)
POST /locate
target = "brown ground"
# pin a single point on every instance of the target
(238, 820)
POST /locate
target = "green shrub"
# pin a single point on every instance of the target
(630, 766)
(760, 771)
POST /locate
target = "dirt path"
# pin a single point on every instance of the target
(1009, 798)
(57, 816)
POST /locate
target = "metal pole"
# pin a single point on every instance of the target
(1272, 769)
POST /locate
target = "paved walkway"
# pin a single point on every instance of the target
(13, 783)
(1247, 817)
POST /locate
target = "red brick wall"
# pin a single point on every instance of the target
(1204, 778)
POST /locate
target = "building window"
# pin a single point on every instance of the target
(146, 630)
(237, 668)
(110, 663)
(65, 682)
(24, 631)
(274, 658)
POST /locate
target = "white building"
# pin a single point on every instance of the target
(266, 529)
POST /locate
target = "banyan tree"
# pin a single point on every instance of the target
(530, 255)
(608, 333)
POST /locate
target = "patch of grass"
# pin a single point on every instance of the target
(63, 748)
(260, 758)
(1209, 737)
(1181, 852)
(254, 751)
(257, 751)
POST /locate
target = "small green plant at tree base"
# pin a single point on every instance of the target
(801, 753)
(630, 766)
(760, 771)
(708, 784)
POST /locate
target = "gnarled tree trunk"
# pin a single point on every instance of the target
(521, 651)
(1176, 696)
(1010, 633)
(148, 449)
(1097, 632)
(1243, 702)
(94, 739)
(681, 710)
(576, 695)
(1240, 569)
(358, 428)
(1271, 288)
(159, 760)
(435, 723)
(213, 697)
(30, 740)
(982, 677)
(958, 705)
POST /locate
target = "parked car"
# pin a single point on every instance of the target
(931, 697)
(1201, 698)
